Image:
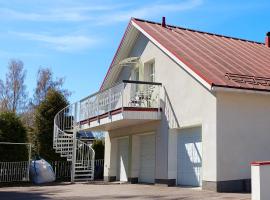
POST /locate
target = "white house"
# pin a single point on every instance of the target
(183, 107)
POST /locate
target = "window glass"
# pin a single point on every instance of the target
(152, 72)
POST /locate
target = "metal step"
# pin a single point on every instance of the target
(83, 175)
(64, 148)
(83, 179)
(66, 155)
(82, 171)
(61, 139)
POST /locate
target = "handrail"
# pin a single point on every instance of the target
(126, 94)
(119, 83)
(142, 82)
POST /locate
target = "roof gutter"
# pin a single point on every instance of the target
(218, 88)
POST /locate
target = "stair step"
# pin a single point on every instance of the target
(66, 155)
(83, 179)
(83, 167)
(63, 151)
(82, 171)
(64, 145)
(63, 148)
(83, 175)
(64, 138)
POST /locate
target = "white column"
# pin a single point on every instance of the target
(260, 180)
(172, 154)
(135, 156)
(110, 157)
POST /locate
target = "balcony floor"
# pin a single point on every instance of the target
(122, 117)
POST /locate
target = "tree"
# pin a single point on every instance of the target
(45, 82)
(44, 122)
(12, 130)
(13, 96)
(98, 146)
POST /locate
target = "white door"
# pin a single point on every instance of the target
(147, 159)
(189, 154)
(123, 144)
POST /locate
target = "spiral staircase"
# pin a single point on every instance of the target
(66, 143)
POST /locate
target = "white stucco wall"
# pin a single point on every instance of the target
(243, 127)
(134, 132)
(187, 103)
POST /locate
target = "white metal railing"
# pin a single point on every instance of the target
(127, 94)
(84, 157)
(14, 171)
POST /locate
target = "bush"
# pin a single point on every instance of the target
(12, 130)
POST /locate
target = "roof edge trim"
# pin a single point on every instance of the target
(222, 88)
(115, 55)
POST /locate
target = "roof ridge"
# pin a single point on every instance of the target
(198, 31)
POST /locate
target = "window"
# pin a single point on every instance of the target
(149, 72)
(152, 72)
(136, 74)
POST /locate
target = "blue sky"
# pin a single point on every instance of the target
(77, 39)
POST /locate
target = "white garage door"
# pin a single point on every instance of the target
(147, 159)
(123, 159)
(189, 162)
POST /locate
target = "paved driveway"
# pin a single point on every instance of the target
(116, 191)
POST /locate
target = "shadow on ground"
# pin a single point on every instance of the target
(22, 196)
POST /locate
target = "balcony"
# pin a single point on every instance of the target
(125, 104)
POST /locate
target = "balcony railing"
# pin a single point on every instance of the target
(128, 94)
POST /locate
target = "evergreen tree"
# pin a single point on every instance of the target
(44, 123)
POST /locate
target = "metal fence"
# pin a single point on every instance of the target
(19, 171)
(14, 171)
(61, 169)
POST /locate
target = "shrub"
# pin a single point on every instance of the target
(12, 130)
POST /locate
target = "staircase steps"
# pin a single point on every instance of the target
(63, 143)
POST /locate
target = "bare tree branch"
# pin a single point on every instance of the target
(13, 96)
(45, 82)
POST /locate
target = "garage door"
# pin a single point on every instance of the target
(123, 159)
(147, 159)
(189, 162)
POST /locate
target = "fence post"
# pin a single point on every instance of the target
(29, 160)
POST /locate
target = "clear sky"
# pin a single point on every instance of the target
(78, 38)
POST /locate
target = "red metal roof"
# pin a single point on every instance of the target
(219, 60)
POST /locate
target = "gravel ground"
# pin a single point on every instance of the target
(113, 191)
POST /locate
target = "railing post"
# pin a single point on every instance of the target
(122, 96)
(159, 99)
(74, 145)
(110, 102)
